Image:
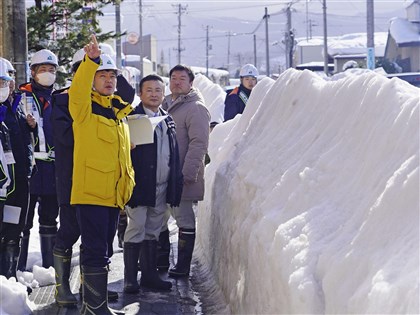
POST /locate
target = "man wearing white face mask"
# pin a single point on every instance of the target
(38, 92)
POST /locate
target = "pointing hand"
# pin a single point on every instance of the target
(92, 49)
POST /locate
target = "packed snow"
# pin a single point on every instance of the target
(312, 198)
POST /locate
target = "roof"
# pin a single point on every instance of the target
(356, 44)
(404, 32)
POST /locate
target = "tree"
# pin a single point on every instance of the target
(64, 27)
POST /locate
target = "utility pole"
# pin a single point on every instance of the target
(370, 57)
(228, 52)
(15, 35)
(307, 21)
(324, 14)
(181, 9)
(207, 51)
(267, 52)
(141, 39)
(287, 35)
(255, 51)
(118, 31)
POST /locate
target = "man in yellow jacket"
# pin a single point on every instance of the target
(103, 177)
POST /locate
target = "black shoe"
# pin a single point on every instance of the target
(186, 242)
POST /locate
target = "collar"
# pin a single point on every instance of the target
(121, 108)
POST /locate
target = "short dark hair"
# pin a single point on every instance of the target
(183, 68)
(151, 77)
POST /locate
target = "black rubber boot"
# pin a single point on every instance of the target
(62, 264)
(122, 226)
(163, 251)
(112, 295)
(186, 240)
(47, 246)
(23, 257)
(10, 258)
(131, 258)
(149, 274)
(95, 299)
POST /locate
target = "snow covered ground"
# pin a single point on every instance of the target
(312, 198)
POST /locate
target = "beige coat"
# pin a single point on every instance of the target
(192, 121)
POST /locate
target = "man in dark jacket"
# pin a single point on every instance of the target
(158, 180)
(237, 98)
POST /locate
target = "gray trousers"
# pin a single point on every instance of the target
(145, 223)
(184, 215)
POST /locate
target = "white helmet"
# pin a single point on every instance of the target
(44, 56)
(9, 65)
(107, 63)
(4, 72)
(248, 70)
(78, 56)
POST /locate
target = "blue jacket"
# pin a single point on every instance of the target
(20, 138)
(144, 159)
(43, 178)
(235, 101)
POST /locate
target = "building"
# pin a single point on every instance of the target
(403, 44)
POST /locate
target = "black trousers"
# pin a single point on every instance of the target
(18, 198)
(68, 233)
(98, 225)
(47, 213)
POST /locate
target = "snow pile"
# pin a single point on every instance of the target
(214, 96)
(312, 198)
(13, 298)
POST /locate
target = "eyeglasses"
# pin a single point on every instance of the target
(4, 83)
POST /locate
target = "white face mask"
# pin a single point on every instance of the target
(46, 78)
(4, 94)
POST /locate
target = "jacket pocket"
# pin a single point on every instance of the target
(107, 130)
(100, 178)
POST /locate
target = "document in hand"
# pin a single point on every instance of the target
(142, 128)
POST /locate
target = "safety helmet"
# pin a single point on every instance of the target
(44, 56)
(4, 73)
(107, 63)
(9, 65)
(350, 64)
(77, 59)
(248, 70)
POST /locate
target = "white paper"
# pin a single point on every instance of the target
(11, 214)
(142, 128)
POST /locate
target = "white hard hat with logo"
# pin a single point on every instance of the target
(44, 56)
(78, 56)
(9, 65)
(107, 63)
(248, 70)
(4, 73)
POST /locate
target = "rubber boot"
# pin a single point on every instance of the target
(47, 246)
(62, 264)
(149, 274)
(131, 258)
(10, 258)
(163, 251)
(112, 295)
(122, 226)
(186, 241)
(95, 300)
(23, 257)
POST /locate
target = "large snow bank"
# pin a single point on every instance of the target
(312, 198)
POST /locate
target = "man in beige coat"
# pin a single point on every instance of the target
(192, 119)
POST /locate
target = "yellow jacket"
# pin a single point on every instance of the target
(102, 170)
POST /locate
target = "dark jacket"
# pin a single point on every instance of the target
(64, 145)
(7, 148)
(43, 178)
(235, 101)
(144, 159)
(20, 138)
